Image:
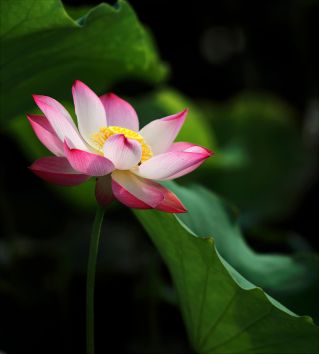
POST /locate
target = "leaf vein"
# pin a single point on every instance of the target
(242, 330)
(203, 300)
(221, 316)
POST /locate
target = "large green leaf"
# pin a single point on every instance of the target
(43, 50)
(288, 278)
(223, 311)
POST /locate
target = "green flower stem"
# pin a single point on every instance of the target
(94, 246)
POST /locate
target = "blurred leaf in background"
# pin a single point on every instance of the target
(263, 163)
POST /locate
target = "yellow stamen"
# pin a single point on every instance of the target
(104, 133)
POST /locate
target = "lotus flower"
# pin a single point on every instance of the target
(108, 145)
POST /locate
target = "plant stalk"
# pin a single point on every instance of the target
(93, 253)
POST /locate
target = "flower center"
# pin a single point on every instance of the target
(104, 133)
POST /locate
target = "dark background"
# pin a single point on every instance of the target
(260, 46)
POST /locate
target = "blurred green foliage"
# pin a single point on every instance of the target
(272, 164)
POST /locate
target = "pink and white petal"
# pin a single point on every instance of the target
(119, 112)
(161, 133)
(63, 127)
(199, 150)
(57, 170)
(87, 162)
(180, 146)
(89, 110)
(46, 134)
(188, 147)
(170, 203)
(126, 198)
(127, 194)
(56, 105)
(135, 192)
(103, 190)
(186, 171)
(166, 166)
(123, 152)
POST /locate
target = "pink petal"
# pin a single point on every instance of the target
(56, 105)
(140, 193)
(87, 162)
(57, 170)
(180, 146)
(170, 164)
(89, 110)
(161, 133)
(46, 134)
(119, 112)
(135, 192)
(189, 147)
(126, 198)
(123, 152)
(170, 203)
(103, 190)
(61, 124)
